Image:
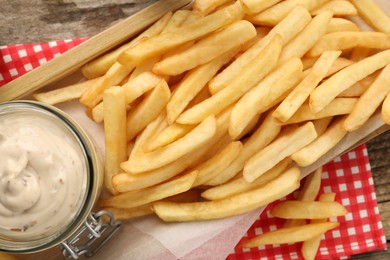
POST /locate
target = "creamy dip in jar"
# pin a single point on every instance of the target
(43, 176)
(50, 178)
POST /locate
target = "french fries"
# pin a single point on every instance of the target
(345, 78)
(300, 93)
(114, 133)
(374, 96)
(253, 73)
(290, 141)
(276, 13)
(193, 83)
(341, 25)
(308, 192)
(310, 247)
(338, 7)
(348, 40)
(264, 135)
(307, 38)
(294, 209)
(372, 14)
(238, 185)
(207, 49)
(164, 155)
(141, 197)
(65, 94)
(148, 109)
(287, 29)
(291, 234)
(211, 101)
(233, 205)
(157, 45)
(264, 95)
(339, 106)
(313, 151)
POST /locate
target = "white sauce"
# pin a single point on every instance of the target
(42, 176)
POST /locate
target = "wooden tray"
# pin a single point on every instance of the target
(69, 62)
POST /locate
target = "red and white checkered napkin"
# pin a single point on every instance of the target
(348, 175)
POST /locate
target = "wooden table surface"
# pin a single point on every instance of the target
(35, 21)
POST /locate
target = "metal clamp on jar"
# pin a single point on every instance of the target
(50, 179)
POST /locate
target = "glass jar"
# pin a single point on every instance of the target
(50, 178)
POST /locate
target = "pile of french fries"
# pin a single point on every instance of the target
(306, 219)
(211, 112)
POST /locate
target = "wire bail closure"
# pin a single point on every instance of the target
(88, 240)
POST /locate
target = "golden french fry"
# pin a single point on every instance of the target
(313, 151)
(263, 96)
(276, 13)
(345, 78)
(207, 49)
(157, 45)
(149, 132)
(127, 181)
(208, 169)
(169, 135)
(148, 109)
(307, 38)
(339, 106)
(202, 95)
(341, 25)
(99, 66)
(253, 73)
(114, 133)
(322, 124)
(137, 198)
(194, 81)
(310, 247)
(238, 185)
(263, 135)
(176, 20)
(357, 89)
(373, 14)
(206, 7)
(369, 101)
(146, 209)
(164, 155)
(286, 144)
(385, 112)
(338, 7)
(256, 6)
(294, 209)
(339, 64)
(133, 89)
(64, 94)
(302, 91)
(287, 29)
(308, 192)
(348, 40)
(290, 235)
(94, 94)
(233, 205)
(145, 66)
(359, 53)
(136, 212)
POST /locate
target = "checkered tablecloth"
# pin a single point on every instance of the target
(348, 175)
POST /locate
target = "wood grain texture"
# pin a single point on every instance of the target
(35, 21)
